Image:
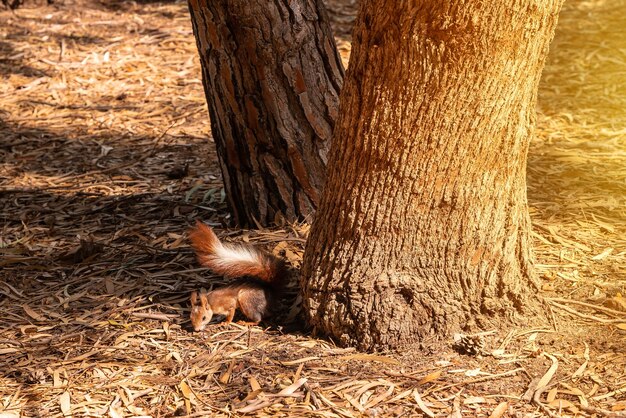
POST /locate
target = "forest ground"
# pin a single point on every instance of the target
(106, 160)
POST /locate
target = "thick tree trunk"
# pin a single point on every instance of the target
(272, 76)
(423, 225)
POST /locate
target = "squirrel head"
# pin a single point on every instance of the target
(201, 312)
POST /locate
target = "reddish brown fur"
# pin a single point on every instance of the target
(203, 239)
(266, 267)
(251, 297)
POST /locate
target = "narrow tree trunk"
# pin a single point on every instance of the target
(423, 225)
(272, 77)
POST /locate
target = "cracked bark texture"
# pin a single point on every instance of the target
(272, 76)
(423, 225)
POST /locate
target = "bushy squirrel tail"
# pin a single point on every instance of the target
(236, 260)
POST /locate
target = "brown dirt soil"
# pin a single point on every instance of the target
(106, 159)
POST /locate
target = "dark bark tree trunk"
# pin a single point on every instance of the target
(423, 225)
(272, 76)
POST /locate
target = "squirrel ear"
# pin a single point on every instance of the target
(203, 300)
(194, 298)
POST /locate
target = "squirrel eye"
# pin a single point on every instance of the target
(204, 318)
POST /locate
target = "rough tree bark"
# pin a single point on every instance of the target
(272, 77)
(423, 225)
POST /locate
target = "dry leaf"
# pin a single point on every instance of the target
(298, 361)
(619, 406)
(499, 410)
(430, 377)
(604, 254)
(254, 384)
(115, 410)
(421, 404)
(166, 330)
(66, 406)
(280, 248)
(109, 286)
(225, 377)
(583, 366)
(188, 394)
(378, 399)
(603, 225)
(56, 379)
(550, 373)
(552, 395)
(85, 251)
(473, 400)
(34, 315)
(293, 387)
(186, 390)
(563, 403)
(252, 395)
(254, 407)
(617, 303)
(298, 372)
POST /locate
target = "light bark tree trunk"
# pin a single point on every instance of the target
(272, 76)
(423, 226)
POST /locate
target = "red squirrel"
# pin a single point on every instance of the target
(260, 275)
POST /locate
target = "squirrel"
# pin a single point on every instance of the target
(261, 277)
